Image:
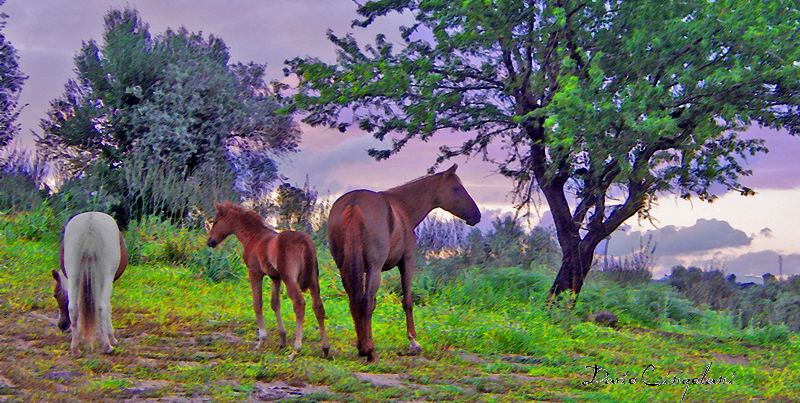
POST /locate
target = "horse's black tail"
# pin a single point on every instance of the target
(354, 264)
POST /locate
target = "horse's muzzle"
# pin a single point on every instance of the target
(211, 243)
(471, 221)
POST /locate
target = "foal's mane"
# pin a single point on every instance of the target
(248, 217)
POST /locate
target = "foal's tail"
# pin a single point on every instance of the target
(309, 273)
(354, 265)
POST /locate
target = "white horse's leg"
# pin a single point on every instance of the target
(104, 317)
(77, 332)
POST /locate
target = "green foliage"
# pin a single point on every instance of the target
(40, 223)
(650, 304)
(171, 107)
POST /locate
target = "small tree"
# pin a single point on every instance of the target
(11, 80)
(600, 106)
(149, 117)
(295, 206)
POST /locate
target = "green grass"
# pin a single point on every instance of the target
(484, 338)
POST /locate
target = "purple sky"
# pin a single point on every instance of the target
(743, 235)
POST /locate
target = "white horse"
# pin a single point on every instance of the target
(91, 259)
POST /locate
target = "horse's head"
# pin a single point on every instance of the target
(221, 226)
(60, 294)
(453, 197)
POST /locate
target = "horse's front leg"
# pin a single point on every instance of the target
(275, 303)
(406, 268)
(255, 287)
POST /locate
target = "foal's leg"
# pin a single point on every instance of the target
(275, 303)
(319, 312)
(406, 268)
(255, 287)
(299, 303)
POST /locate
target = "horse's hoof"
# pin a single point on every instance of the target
(371, 356)
(108, 350)
(326, 352)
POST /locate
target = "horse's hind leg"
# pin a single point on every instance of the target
(299, 303)
(77, 331)
(275, 303)
(255, 287)
(104, 316)
(406, 276)
(319, 312)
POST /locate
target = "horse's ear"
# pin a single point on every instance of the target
(217, 205)
(452, 169)
(55, 275)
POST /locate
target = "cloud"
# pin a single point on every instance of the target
(703, 236)
(322, 165)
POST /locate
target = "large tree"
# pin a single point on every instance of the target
(11, 80)
(148, 110)
(599, 105)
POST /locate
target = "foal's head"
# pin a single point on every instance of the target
(453, 197)
(222, 225)
(60, 294)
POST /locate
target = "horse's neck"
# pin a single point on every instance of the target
(248, 232)
(415, 199)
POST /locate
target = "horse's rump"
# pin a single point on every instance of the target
(91, 254)
(297, 248)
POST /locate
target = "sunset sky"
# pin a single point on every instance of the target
(741, 235)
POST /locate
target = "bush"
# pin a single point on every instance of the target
(21, 180)
(40, 223)
(648, 305)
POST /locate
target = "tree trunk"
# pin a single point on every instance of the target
(574, 268)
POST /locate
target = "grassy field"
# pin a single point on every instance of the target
(186, 338)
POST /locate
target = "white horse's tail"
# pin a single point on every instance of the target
(94, 238)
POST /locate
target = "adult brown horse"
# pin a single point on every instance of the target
(288, 256)
(371, 232)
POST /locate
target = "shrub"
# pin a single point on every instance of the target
(21, 180)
